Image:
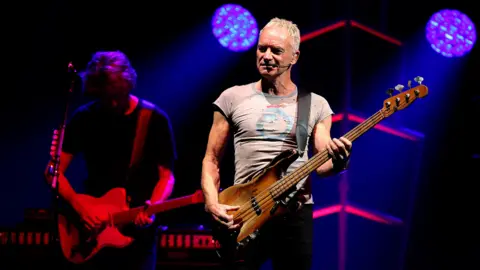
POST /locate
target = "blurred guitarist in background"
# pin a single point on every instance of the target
(103, 131)
(262, 117)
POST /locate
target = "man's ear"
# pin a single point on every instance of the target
(295, 57)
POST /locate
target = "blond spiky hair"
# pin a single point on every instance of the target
(292, 28)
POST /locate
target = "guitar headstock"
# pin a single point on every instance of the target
(404, 98)
(197, 197)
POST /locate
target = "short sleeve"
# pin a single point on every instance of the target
(163, 140)
(73, 139)
(224, 103)
(321, 108)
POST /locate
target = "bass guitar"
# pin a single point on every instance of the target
(79, 244)
(260, 199)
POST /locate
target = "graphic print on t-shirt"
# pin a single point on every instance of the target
(274, 123)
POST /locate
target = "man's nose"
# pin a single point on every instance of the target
(268, 54)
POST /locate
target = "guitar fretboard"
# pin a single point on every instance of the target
(128, 216)
(280, 187)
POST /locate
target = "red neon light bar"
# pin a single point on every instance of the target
(376, 33)
(368, 214)
(322, 31)
(353, 23)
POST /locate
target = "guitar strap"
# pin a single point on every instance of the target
(140, 133)
(303, 114)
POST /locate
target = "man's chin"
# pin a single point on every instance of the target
(267, 75)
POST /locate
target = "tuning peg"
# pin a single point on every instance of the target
(418, 79)
(390, 91)
(399, 87)
(409, 84)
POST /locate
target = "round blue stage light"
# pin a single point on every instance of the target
(451, 33)
(234, 27)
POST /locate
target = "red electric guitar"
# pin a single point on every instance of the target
(79, 244)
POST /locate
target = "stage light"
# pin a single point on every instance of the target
(234, 27)
(451, 33)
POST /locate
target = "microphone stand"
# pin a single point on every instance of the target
(55, 151)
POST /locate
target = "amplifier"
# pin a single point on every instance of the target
(27, 249)
(25, 238)
(187, 246)
(178, 247)
(37, 214)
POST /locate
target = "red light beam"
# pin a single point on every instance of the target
(322, 31)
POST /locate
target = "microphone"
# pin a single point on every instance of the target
(71, 68)
(275, 65)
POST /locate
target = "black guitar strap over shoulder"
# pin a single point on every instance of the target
(303, 114)
(141, 132)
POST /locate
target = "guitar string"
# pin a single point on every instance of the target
(250, 213)
(130, 214)
(280, 185)
(246, 210)
(247, 213)
(377, 117)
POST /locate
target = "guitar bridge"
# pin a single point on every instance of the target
(255, 206)
(85, 248)
(274, 208)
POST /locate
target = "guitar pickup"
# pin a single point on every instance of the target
(255, 206)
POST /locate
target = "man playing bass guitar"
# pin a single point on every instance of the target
(262, 117)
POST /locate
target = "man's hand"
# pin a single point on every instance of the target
(339, 149)
(91, 218)
(142, 219)
(219, 213)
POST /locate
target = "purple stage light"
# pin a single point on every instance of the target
(451, 33)
(234, 27)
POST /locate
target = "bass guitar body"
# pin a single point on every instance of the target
(257, 206)
(79, 244)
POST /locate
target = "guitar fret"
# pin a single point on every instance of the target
(268, 197)
(130, 215)
(319, 159)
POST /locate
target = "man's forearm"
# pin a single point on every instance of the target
(65, 190)
(163, 189)
(332, 167)
(210, 182)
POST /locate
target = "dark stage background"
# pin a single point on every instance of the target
(428, 183)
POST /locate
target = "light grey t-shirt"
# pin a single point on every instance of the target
(264, 126)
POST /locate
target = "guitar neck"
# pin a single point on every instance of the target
(130, 215)
(280, 187)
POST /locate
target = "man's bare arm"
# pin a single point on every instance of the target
(217, 141)
(337, 148)
(65, 190)
(321, 137)
(164, 187)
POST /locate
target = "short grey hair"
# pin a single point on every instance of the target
(292, 28)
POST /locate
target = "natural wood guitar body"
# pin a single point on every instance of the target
(257, 205)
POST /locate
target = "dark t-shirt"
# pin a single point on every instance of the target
(106, 139)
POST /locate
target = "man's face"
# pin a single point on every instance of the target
(111, 89)
(275, 53)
